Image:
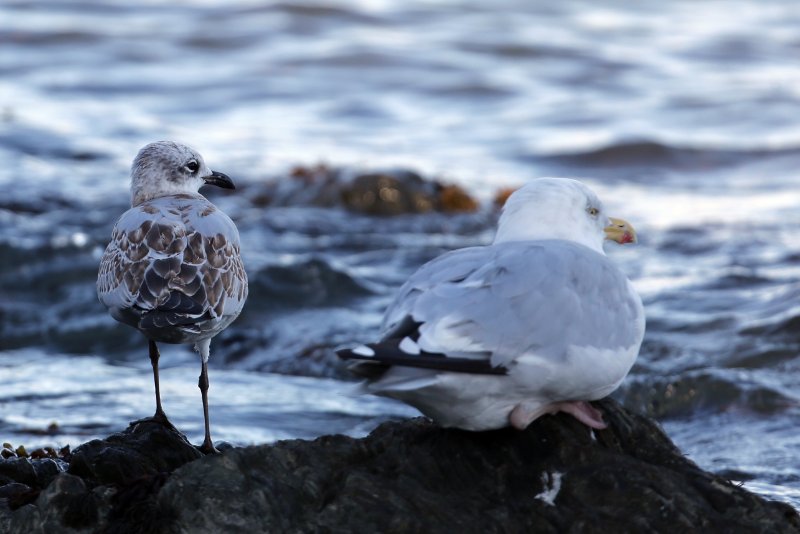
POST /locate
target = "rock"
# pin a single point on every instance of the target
(18, 470)
(146, 448)
(411, 476)
(399, 192)
(390, 194)
(108, 484)
(318, 185)
(385, 193)
(17, 494)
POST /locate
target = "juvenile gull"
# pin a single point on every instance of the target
(172, 269)
(538, 322)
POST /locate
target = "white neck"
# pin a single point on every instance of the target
(142, 191)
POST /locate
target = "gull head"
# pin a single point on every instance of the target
(167, 168)
(560, 208)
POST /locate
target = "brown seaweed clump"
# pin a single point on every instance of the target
(384, 193)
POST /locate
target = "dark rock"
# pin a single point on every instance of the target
(411, 476)
(46, 470)
(19, 470)
(144, 449)
(414, 476)
(13, 488)
(21, 479)
(66, 505)
(17, 494)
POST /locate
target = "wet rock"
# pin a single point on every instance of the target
(66, 505)
(16, 494)
(21, 479)
(12, 489)
(144, 449)
(108, 483)
(18, 470)
(411, 476)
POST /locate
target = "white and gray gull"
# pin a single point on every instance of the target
(538, 322)
(173, 268)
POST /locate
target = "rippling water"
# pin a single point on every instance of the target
(682, 115)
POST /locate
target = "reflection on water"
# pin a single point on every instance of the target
(682, 115)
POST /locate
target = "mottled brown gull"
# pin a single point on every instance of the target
(540, 321)
(173, 269)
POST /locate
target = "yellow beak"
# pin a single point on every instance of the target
(620, 231)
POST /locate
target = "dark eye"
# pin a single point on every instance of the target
(192, 166)
(593, 211)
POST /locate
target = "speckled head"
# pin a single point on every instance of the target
(167, 168)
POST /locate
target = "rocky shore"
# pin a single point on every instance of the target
(408, 476)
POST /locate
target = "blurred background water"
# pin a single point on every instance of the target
(683, 115)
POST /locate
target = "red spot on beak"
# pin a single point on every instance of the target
(626, 238)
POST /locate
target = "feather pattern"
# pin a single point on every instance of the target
(173, 269)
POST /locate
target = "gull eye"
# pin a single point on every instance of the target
(192, 166)
(593, 211)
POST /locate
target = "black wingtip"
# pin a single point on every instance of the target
(390, 354)
(346, 353)
(362, 365)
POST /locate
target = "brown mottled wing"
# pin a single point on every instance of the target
(173, 262)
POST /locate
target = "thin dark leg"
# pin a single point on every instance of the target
(207, 447)
(154, 355)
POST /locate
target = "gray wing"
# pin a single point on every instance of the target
(172, 263)
(500, 302)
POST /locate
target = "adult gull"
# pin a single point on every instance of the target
(172, 269)
(538, 322)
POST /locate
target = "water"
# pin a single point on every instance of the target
(682, 115)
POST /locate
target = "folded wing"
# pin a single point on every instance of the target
(493, 305)
(173, 264)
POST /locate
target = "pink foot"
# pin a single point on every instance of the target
(524, 414)
(583, 412)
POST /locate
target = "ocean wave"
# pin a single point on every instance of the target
(661, 155)
(44, 143)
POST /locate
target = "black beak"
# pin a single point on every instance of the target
(220, 180)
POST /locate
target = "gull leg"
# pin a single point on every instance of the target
(524, 414)
(154, 356)
(208, 446)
